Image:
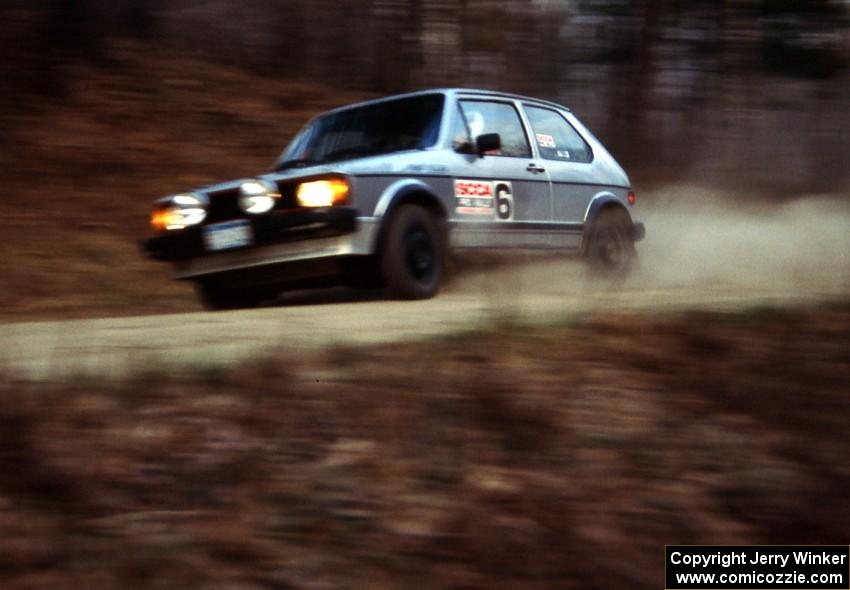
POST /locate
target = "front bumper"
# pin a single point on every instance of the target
(281, 238)
(275, 228)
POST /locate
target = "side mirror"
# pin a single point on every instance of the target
(488, 142)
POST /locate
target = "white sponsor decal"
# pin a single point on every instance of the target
(474, 197)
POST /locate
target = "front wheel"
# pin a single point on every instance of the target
(412, 254)
(610, 247)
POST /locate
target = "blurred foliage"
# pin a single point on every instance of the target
(758, 81)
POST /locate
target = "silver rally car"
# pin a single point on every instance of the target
(377, 193)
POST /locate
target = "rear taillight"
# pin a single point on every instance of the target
(632, 198)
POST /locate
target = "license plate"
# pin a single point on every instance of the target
(228, 235)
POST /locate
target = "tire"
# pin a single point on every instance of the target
(217, 296)
(412, 254)
(610, 247)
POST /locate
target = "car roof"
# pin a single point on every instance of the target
(508, 95)
(464, 92)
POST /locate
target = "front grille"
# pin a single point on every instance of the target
(224, 205)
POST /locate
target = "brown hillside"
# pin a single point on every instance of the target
(79, 175)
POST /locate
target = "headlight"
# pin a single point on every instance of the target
(179, 211)
(322, 193)
(257, 196)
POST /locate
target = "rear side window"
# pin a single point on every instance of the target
(497, 117)
(556, 139)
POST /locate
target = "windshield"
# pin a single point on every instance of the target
(402, 124)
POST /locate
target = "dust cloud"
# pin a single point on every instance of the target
(701, 246)
(696, 237)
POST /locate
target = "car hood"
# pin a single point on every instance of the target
(411, 162)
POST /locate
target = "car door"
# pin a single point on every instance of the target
(568, 159)
(500, 195)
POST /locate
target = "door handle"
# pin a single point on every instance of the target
(535, 169)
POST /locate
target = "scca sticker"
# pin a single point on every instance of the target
(474, 197)
(545, 140)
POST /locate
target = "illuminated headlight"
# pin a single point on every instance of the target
(179, 211)
(257, 196)
(322, 193)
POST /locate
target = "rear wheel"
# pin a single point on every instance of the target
(411, 257)
(610, 248)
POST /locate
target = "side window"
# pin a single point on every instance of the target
(497, 117)
(556, 139)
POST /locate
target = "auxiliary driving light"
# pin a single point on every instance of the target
(179, 211)
(257, 196)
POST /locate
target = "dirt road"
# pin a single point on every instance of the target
(699, 252)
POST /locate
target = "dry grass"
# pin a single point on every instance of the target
(548, 458)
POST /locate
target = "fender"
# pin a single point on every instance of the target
(399, 190)
(598, 202)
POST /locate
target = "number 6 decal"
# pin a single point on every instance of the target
(504, 201)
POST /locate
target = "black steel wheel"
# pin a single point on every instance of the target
(610, 247)
(412, 254)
